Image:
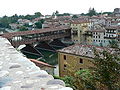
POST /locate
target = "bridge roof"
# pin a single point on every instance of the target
(10, 35)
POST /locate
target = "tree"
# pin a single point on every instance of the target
(107, 70)
(113, 44)
(23, 28)
(79, 79)
(74, 16)
(56, 13)
(42, 21)
(92, 12)
(38, 14)
(38, 24)
(109, 13)
(82, 14)
(14, 18)
(4, 22)
(66, 14)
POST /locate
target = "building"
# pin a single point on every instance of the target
(116, 12)
(78, 29)
(111, 33)
(14, 26)
(88, 35)
(76, 57)
(118, 38)
(98, 20)
(44, 66)
(98, 37)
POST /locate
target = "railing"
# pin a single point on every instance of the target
(110, 37)
(37, 39)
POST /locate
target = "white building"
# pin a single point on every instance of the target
(98, 38)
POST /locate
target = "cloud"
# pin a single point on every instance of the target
(10, 7)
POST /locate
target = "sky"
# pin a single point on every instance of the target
(46, 7)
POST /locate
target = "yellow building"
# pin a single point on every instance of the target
(88, 37)
(78, 29)
(75, 57)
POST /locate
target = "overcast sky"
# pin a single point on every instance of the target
(23, 7)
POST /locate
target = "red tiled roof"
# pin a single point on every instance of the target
(112, 27)
(40, 63)
(79, 22)
(98, 30)
(84, 50)
(34, 31)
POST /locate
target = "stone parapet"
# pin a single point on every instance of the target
(19, 73)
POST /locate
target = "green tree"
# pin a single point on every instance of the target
(66, 14)
(74, 16)
(82, 14)
(113, 44)
(23, 28)
(37, 14)
(80, 80)
(38, 24)
(42, 21)
(109, 13)
(56, 13)
(92, 12)
(27, 25)
(29, 17)
(14, 18)
(107, 70)
(4, 22)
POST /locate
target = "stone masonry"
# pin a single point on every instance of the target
(19, 73)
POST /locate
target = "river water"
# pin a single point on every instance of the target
(48, 56)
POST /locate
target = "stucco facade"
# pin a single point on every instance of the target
(78, 29)
(75, 62)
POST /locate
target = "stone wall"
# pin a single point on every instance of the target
(19, 73)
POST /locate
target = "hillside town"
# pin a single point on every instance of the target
(66, 46)
(100, 30)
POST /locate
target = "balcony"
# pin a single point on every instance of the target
(110, 37)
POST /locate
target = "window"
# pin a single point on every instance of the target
(64, 57)
(81, 60)
(81, 68)
(65, 67)
(75, 33)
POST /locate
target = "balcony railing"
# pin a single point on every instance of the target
(37, 39)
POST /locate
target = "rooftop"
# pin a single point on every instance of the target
(98, 30)
(83, 50)
(10, 35)
(80, 22)
(19, 73)
(41, 64)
